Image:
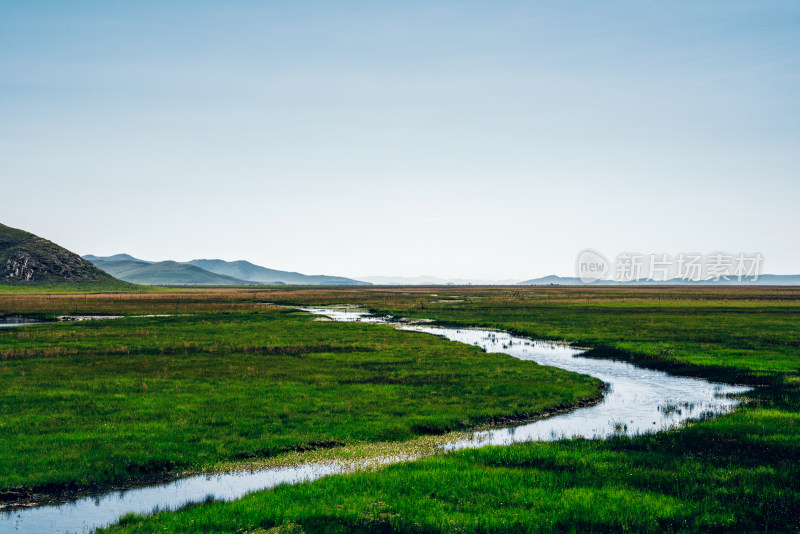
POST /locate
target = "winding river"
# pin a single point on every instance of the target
(636, 401)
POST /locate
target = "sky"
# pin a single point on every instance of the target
(471, 139)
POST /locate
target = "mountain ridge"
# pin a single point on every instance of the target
(114, 258)
(206, 272)
(256, 273)
(167, 273)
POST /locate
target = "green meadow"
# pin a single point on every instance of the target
(102, 403)
(738, 472)
(74, 398)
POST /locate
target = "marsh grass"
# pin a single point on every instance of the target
(114, 402)
(736, 473)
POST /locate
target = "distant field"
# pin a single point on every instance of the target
(736, 473)
(227, 379)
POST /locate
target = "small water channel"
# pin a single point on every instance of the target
(23, 321)
(636, 401)
(17, 321)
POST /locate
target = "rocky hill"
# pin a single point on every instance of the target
(28, 259)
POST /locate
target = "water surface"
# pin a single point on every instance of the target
(17, 321)
(636, 401)
(22, 321)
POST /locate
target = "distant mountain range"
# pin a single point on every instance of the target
(245, 270)
(763, 280)
(163, 273)
(26, 259)
(206, 272)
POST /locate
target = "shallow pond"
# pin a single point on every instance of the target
(636, 401)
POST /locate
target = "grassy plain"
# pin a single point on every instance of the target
(737, 473)
(226, 379)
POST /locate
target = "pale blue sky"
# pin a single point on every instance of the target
(471, 139)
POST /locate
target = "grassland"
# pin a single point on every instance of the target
(738, 473)
(225, 379)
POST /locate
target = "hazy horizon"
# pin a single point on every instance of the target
(421, 279)
(447, 139)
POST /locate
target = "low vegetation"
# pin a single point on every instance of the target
(738, 472)
(224, 379)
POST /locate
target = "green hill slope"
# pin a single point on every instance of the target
(116, 257)
(166, 273)
(27, 260)
(249, 271)
(117, 269)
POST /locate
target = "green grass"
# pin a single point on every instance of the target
(224, 380)
(739, 472)
(654, 484)
(70, 288)
(732, 333)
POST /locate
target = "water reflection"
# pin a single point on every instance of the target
(636, 401)
(16, 321)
